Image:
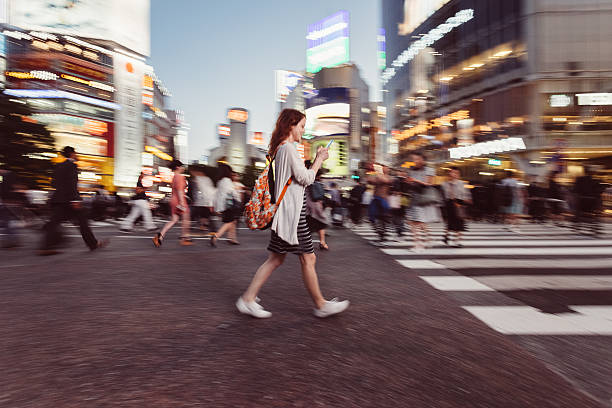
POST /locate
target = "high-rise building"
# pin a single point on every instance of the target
(521, 82)
(82, 68)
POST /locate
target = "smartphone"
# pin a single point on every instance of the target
(329, 144)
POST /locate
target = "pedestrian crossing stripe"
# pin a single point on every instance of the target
(544, 258)
(516, 263)
(522, 243)
(566, 251)
(520, 282)
(527, 320)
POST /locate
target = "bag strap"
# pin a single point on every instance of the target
(280, 198)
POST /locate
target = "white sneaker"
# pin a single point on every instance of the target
(332, 307)
(252, 308)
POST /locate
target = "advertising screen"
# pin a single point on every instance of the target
(328, 113)
(129, 124)
(417, 11)
(285, 82)
(328, 42)
(125, 22)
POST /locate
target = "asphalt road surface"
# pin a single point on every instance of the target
(136, 326)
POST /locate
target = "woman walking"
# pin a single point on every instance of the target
(423, 209)
(178, 207)
(228, 203)
(455, 196)
(290, 233)
(203, 198)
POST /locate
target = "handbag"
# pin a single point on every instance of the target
(427, 196)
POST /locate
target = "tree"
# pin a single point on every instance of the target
(26, 147)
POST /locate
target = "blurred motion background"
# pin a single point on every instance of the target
(485, 85)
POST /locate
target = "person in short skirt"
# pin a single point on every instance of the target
(290, 232)
(456, 195)
(421, 178)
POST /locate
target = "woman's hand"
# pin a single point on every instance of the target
(322, 154)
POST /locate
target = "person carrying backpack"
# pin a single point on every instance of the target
(290, 233)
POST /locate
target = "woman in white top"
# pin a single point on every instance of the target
(228, 204)
(289, 227)
(203, 200)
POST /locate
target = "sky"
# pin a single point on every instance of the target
(215, 54)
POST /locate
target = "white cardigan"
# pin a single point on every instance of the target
(225, 189)
(288, 164)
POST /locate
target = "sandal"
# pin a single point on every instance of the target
(157, 240)
(213, 240)
(233, 242)
(323, 247)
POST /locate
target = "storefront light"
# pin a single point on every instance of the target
(40, 44)
(73, 49)
(425, 41)
(55, 46)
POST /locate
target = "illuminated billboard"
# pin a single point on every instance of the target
(328, 42)
(382, 49)
(238, 115)
(417, 11)
(223, 131)
(328, 113)
(285, 82)
(121, 21)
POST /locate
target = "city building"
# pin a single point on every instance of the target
(234, 147)
(82, 69)
(500, 84)
(339, 111)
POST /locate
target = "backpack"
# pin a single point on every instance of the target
(506, 195)
(261, 208)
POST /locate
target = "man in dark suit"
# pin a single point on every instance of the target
(66, 204)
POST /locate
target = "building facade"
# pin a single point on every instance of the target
(524, 83)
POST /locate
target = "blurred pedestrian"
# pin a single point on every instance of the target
(378, 210)
(100, 203)
(556, 199)
(456, 196)
(203, 200)
(66, 204)
(536, 198)
(290, 233)
(424, 205)
(397, 211)
(355, 198)
(140, 208)
(315, 211)
(179, 208)
(587, 192)
(8, 199)
(511, 199)
(228, 203)
(337, 209)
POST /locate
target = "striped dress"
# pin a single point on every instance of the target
(304, 245)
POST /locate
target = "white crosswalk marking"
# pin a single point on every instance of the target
(553, 272)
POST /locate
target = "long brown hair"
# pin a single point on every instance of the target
(286, 119)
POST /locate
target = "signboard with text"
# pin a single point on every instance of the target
(125, 22)
(129, 128)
